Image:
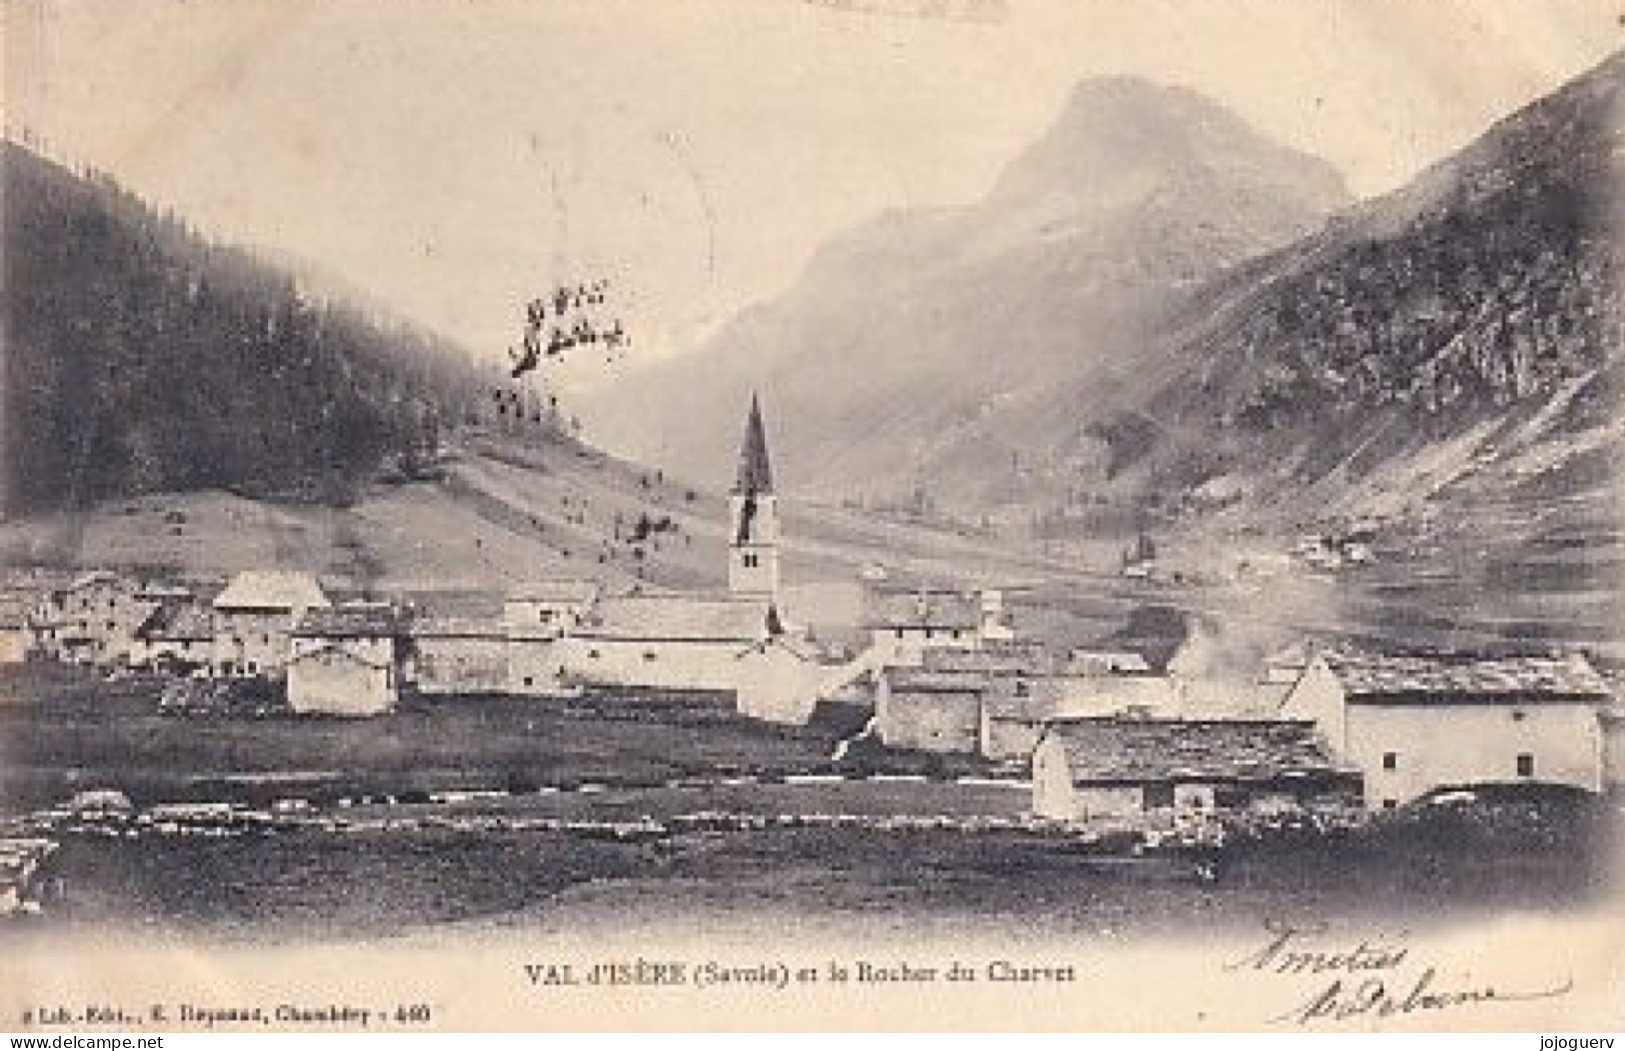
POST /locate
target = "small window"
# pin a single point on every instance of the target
(899, 632)
(592, 654)
(1518, 715)
(1390, 760)
(1389, 804)
(956, 633)
(544, 615)
(1526, 765)
(648, 655)
(530, 680)
(929, 632)
(253, 667)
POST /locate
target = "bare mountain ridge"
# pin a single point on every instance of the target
(1479, 293)
(1444, 362)
(902, 332)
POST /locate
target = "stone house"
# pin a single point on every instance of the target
(346, 660)
(458, 655)
(903, 625)
(1414, 723)
(177, 638)
(929, 711)
(254, 619)
(1116, 768)
(90, 620)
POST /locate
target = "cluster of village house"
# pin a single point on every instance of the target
(1106, 733)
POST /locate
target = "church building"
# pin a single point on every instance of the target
(690, 640)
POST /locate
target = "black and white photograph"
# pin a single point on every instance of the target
(812, 515)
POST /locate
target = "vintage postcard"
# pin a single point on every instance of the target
(812, 514)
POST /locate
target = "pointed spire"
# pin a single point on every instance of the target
(755, 475)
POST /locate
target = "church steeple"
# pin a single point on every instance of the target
(755, 473)
(753, 544)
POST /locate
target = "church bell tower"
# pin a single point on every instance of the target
(753, 540)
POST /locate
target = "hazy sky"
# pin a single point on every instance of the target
(455, 157)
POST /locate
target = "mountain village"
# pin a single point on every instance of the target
(1104, 735)
(895, 514)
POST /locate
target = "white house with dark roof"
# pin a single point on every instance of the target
(1119, 768)
(902, 625)
(254, 618)
(346, 660)
(1017, 709)
(1414, 723)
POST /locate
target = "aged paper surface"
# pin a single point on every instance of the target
(1168, 579)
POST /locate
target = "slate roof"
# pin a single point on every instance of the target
(332, 650)
(458, 628)
(919, 680)
(358, 621)
(1008, 707)
(1465, 678)
(923, 609)
(271, 590)
(564, 591)
(1117, 749)
(677, 618)
(177, 624)
(95, 576)
(1009, 658)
